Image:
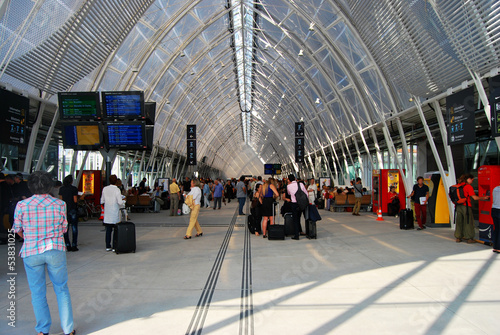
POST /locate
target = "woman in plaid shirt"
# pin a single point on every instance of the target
(41, 220)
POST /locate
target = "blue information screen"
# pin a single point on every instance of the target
(120, 135)
(126, 105)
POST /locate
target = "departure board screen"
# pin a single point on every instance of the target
(79, 106)
(123, 105)
(272, 169)
(14, 110)
(126, 135)
(82, 136)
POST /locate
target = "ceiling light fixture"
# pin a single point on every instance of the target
(168, 102)
(317, 101)
(182, 54)
(301, 52)
(311, 26)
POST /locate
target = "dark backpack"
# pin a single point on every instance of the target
(457, 194)
(302, 199)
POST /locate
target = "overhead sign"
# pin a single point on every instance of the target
(191, 144)
(299, 129)
(494, 84)
(191, 132)
(14, 110)
(461, 109)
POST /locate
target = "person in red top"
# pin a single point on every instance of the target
(464, 222)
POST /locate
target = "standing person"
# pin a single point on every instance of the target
(420, 195)
(112, 200)
(495, 214)
(311, 191)
(69, 194)
(142, 186)
(464, 222)
(292, 188)
(20, 187)
(241, 194)
(41, 220)
(393, 205)
(268, 193)
(186, 186)
(256, 207)
(193, 200)
(175, 194)
(358, 194)
(217, 193)
(206, 193)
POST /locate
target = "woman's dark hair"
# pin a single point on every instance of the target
(463, 178)
(68, 180)
(113, 179)
(40, 182)
(291, 177)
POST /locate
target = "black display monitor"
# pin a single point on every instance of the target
(79, 106)
(272, 169)
(126, 135)
(82, 136)
(150, 131)
(127, 105)
(150, 112)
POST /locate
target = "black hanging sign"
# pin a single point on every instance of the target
(461, 109)
(299, 129)
(494, 84)
(191, 132)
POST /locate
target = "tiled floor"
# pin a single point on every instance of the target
(360, 276)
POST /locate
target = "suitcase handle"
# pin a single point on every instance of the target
(124, 214)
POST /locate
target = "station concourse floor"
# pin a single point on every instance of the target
(361, 276)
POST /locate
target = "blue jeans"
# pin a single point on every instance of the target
(207, 202)
(55, 260)
(242, 203)
(217, 200)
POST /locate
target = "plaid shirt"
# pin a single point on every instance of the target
(42, 219)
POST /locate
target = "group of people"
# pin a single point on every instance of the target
(42, 220)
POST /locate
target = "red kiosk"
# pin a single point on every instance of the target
(488, 178)
(91, 186)
(382, 180)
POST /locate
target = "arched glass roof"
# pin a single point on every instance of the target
(339, 65)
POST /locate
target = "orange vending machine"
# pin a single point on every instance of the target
(382, 180)
(91, 185)
(488, 178)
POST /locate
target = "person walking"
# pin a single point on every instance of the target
(217, 193)
(69, 194)
(41, 221)
(268, 193)
(358, 195)
(175, 194)
(112, 200)
(495, 214)
(420, 195)
(241, 194)
(193, 200)
(292, 188)
(206, 193)
(464, 222)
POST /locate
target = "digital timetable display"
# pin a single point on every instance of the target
(130, 135)
(79, 105)
(123, 105)
(82, 136)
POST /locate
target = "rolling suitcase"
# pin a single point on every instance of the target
(406, 219)
(276, 231)
(289, 229)
(311, 229)
(124, 236)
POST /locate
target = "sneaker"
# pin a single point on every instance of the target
(108, 249)
(419, 228)
(113, 250)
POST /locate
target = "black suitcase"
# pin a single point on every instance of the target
(406, 219)
(124, 236)
(276, 231)
(289, 229)
(311, 229)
